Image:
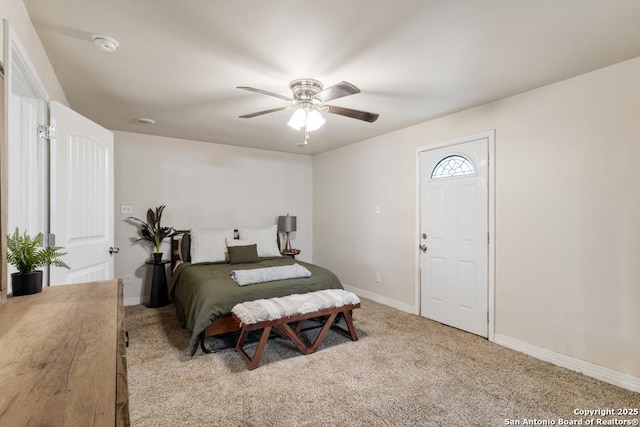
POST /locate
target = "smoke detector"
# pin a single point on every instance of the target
(105, 43)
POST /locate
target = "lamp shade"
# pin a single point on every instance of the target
(286, 223)
(298, 119)
(314, 120)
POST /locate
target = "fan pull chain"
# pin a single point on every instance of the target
(306, 138)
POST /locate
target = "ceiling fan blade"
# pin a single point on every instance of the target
(354, 114)
(264, 92)
(337, 91)
(259, 113)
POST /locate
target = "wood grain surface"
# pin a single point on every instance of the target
(58, 364)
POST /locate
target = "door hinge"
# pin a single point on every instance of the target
(46, 132)
(48, 240)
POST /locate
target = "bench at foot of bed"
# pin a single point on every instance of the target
(280, 313)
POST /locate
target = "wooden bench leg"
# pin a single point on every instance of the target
(242, 338)
(254, 361)
(300, 325)
(351, 333)
(323, 332)
(286, 331)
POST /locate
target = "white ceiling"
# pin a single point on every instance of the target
(179, 62)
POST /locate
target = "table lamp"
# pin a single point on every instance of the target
(286, 224)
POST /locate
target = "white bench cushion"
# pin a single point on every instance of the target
(251, 312)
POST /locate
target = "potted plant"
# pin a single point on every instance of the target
(26, 255)
(152, 230)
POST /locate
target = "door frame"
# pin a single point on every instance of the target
(4, 187)
(490, 136)
(16, 55)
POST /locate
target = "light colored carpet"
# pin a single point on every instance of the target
(404, 371)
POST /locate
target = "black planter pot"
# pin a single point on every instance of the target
(26, 284)
(157, 257)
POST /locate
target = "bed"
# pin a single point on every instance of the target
(203, 291)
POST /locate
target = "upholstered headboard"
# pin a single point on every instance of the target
(180, 247)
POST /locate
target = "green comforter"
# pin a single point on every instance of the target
(205, 291)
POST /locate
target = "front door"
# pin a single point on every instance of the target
(81, 196)
(454, 235)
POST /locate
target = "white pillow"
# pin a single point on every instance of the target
(265, 239)
(209, 245)
(238, 242)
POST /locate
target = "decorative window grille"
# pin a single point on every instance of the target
(452, 166)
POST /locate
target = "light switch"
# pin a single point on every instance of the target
(126, 209)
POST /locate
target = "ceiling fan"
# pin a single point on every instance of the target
(309, 101)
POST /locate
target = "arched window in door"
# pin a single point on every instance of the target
(453, 166)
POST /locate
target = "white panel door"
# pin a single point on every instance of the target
(454, 235)
(81, 196)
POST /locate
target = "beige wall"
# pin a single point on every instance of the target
(204, 185)
(15, 12)
(567, 214)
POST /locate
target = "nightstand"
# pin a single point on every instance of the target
(292, 253)
(159, 291)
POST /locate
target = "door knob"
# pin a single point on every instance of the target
(113, 250)
(423, 248)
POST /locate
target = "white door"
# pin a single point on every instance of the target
(454, 235)
(81, 196)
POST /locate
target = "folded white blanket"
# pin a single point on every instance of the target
(269, 274)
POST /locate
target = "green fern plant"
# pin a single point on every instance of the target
(152, 230)
(26, 255)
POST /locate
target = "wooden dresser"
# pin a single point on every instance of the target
(62, 357)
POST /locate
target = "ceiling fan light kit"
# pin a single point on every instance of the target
(308, 99)
(306, 117)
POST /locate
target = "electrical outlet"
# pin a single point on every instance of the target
(378, 278)
(126, 209)
(127, 279)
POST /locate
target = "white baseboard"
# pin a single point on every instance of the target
(607, 375)
(132, 301)
(382, 300)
